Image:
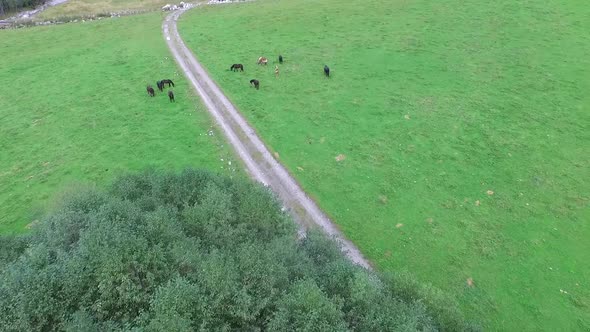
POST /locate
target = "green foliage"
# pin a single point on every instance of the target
(306, 308)
(14, 5)
(12, 246)
(445, 310)
(433, 104)
(190, 252)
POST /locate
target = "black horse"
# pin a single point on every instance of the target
(326, 71)
(167, 81)
(150, 91)
(280, 59)
(236, 67)
(171, 95)
(160, 85)
(255, 83)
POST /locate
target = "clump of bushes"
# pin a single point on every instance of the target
(193, 251)
(8, 6)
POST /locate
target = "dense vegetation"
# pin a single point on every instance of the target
(76, 110)
(464, 131)
(194, 251)
(7, 6)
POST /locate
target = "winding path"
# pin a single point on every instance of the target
(259, 162)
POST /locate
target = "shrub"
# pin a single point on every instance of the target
(7, 6)
(191, 251)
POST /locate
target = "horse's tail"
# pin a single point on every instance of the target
(172, 83)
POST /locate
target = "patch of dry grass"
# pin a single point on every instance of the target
(95, 7)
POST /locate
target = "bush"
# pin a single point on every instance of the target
(11, 247)
(7, 6)
(191, 251)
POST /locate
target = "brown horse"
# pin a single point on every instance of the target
(171, 95)
(262, 61)
(236, 67)
(255, 83)
(150, 91)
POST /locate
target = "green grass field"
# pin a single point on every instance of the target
(465, 131)
(74, 109)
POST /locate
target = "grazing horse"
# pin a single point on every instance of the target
(160, 85)
(150, 91)
(255, 83)
(262, 61)
(280, 59)
(236, 67)
(276, 71)
(167, 81)
(171, 95)
(326, 71)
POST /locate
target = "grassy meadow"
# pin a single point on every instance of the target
(74, 110)
(463, 128)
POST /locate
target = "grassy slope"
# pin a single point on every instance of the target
(74, 108)
(433, 104)
(93, 7)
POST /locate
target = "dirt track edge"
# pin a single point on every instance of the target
(259, 162)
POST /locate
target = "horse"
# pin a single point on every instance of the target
(262, 61)
(255, 83)
(326, 71)
(160, 86)
(171, 95)
(236, 67)
(167, 81)
(276, 71)
(150, 91)
(280, 58)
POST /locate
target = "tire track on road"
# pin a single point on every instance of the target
(259, 162)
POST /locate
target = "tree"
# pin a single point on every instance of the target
(15, 5)
(190, 252)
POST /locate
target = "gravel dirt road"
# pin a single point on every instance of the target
(259, 162)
